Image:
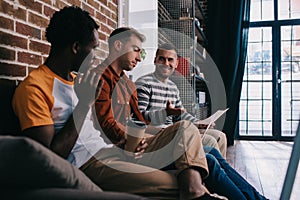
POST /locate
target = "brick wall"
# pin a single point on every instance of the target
(22, 31)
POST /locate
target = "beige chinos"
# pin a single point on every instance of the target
(180, 144)
(215, 138)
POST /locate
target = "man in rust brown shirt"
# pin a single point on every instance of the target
(179, 144)
(116, 103)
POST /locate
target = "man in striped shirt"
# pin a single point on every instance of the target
(159, 99)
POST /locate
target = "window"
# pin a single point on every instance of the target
(270, 99)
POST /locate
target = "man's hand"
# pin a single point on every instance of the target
(140, 149)
(204, 126)
(86, 87)
(173, 111)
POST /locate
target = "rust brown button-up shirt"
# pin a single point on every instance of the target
(116, 102)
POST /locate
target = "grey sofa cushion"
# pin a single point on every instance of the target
(24, 163)
(65, 194)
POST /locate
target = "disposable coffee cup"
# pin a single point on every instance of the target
(135, 131)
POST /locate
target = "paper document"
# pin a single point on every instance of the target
(212, 118)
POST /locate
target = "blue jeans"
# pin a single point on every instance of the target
(224, 180)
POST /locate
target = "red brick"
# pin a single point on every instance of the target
(39, 47)
(6, 23)
(88, 8)
(94, 4)
(7, 54)
(48, 11)
(12, 69)
(60, 4)
(105, 11)
(105, 28)
(48, 2)
(28, 30)
(38, 20)
(104, 2)
(112, 7)
(29, 58)
(111, 23)
(13, 40)
(114, 17)
(75, 2)
(115, 2)
(101, 17)
(8, 9)
(32, 5)
(102, 36)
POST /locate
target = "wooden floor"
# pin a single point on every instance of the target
(264, 165)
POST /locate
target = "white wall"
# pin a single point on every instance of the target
(143, 16)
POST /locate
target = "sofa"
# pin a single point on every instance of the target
(28, 170)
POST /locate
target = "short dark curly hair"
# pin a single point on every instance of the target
(166, 46)
(69, 25)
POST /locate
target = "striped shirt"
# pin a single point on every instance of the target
(152, 100)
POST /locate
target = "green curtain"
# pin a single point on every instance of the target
(227, 33)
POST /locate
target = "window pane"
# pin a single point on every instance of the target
(267, 110)
(255, 35)
(256, 109)
(286, 33)
(267, 128)
(244, 94)
(243, 110)
(243, 128)
(288, 9)
(259, 55)
(255, 128)
(267, 10)
(290, 106)
(255, 90)
(261, 10)
(290, 51)
(255, 10)
(267, 93)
